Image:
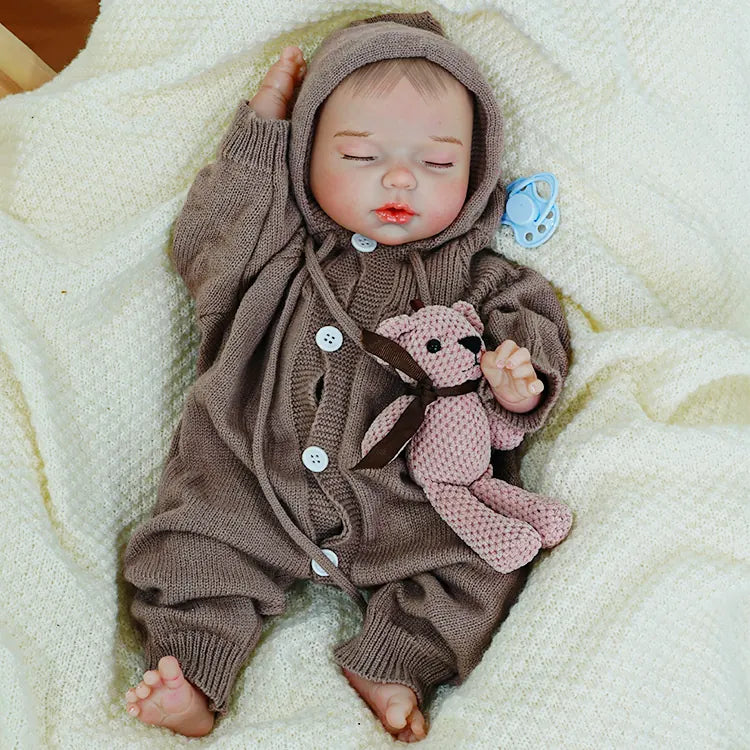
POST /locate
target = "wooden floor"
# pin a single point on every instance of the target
(56, 30)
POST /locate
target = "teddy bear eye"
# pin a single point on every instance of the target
(433, 345)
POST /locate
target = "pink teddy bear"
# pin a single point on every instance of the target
(448, 433)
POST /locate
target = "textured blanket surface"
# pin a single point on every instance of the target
(634, 632)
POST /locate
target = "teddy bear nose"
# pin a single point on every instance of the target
(472, 343)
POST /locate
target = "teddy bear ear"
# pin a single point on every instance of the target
(394, 328)
(467, 310)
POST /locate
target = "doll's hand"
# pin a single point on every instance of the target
(276, 93)
(513, 379)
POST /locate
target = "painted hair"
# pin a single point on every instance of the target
(382, 76)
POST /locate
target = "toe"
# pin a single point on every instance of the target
(397, 710)
(171, 674)
(133, 710)
(417, 724)
(152, 678)
(405, 735)
(143, 690)
(130, 696)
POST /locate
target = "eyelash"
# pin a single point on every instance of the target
(447, 165)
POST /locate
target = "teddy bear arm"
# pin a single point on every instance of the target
(503, 436)
(384, 421)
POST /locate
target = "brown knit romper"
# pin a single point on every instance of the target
(258, 488)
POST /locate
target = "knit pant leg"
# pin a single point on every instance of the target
(432, 627)
(207, 567)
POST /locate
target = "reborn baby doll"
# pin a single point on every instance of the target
(383, 187)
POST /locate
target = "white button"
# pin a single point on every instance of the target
(315, 458)
(331, 555)
(329, 338)
(363, 244)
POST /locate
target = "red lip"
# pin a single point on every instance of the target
(395, 213)
(397, 206)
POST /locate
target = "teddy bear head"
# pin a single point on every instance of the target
(446, 342)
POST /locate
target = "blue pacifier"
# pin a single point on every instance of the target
(533, 218)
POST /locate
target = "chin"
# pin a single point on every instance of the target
(395, 235)
(390, 242)
(390, 234)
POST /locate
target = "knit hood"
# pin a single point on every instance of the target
(385, 37)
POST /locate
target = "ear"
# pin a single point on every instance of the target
(468, 311)
(394, 328)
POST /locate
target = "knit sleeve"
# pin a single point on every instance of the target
(515, 302)
(238, 213)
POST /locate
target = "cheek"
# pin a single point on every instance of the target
(334, 192)
(448, 200)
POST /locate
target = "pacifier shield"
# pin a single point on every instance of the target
(533, 218)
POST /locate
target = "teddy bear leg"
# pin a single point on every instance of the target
(551, 518)
(505, 543)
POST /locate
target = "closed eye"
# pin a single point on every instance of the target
(438, 165)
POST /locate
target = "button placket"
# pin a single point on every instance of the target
(329, 338)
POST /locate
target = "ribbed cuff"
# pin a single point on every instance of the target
(255, 142)
(207, 661)
(384, 652)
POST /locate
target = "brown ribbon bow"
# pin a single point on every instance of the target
(386, 449)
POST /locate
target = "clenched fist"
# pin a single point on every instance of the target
(512, 377)
(276, 92)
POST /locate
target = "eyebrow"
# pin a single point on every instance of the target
(365, 134)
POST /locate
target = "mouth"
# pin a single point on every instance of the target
(471, 367)
(395, 213)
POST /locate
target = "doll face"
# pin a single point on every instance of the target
(396, 148)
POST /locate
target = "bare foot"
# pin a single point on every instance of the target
(395, 705)
(165, 698)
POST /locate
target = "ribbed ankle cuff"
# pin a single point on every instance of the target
(384, 652)
(208, 662)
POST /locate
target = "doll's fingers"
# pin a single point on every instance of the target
(525, 371)
(292, 53)
(504, 351)
(286, 70)
(519, 357)
(521, 387)
(491, 361)
(488, 359)
(536, 386)
(494, 375)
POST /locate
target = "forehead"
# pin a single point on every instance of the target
(401, 108)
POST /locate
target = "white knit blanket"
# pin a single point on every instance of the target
(634, 632)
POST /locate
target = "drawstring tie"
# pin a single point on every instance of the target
(420, 273)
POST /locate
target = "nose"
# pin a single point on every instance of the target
(472, 343)
(399, 177)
